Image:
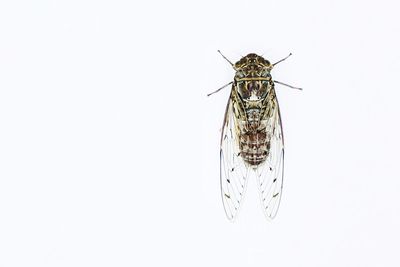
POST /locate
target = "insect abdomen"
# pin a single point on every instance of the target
(254, 147)
(254, 144)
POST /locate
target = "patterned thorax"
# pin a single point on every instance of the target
(253, 78)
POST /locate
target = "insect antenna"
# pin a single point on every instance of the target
(281, 60)
(225, 58)
(219, 89)
(290, 86)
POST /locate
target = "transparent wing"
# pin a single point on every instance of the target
(270, 173)
(233, 171)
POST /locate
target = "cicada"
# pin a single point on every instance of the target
(252, 136)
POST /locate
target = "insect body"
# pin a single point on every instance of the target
(252, 137)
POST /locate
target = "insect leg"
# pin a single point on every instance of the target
(281, 60)
(225, 58)
(219, 89)
(290, 86)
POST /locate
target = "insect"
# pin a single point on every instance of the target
(252, 136)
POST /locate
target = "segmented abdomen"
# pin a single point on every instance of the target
(254, 147)
(254, 141)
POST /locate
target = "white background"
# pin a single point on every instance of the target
(109, 147)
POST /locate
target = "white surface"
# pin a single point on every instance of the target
(109, 147)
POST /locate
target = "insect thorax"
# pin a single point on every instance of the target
(253, 79)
